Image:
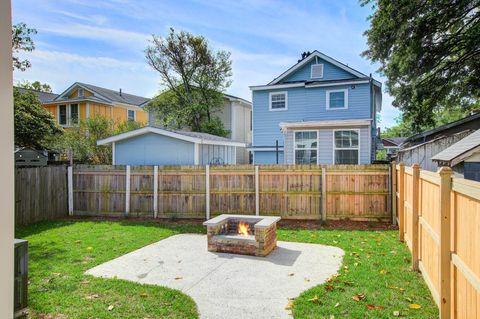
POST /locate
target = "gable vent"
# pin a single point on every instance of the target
(317, 71)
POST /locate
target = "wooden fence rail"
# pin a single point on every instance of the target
(40, 194)
(439, 220)
(357, 192)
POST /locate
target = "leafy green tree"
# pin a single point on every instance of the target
(36, 85)
(22, 41)
(34, 125)
(194, 77)
(82, 139)
(430, 53)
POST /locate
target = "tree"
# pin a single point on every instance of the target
(430, 53)
(82, 139)
(36, 85)
(34, 125)
(194, 78)
(21, 41)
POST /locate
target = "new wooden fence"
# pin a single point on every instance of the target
(40, 194)
(439, 220)
(357, 192)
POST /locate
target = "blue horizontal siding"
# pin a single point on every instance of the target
(154, 149)
(305, 104)
(330, 72)
(267, 157)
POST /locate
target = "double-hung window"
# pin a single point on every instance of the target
(306, 147)
(131, 115)
(337, 99)
(62, 115)
(278, 101)
(346, 147)
(73, 114)
(68, 115)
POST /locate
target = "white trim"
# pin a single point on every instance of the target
(265, 149)
(113, 153)
(149, 129)
(308, 149)
(155, 191)
(87, 110)
(322, 56)
(78, 92)
(127, 190)
(134, 115)
(311, 70)
(273, 87)
(346, 148)
(196, 154)
(315, 85)
(270, 101)
(316, 124)
(345, 100)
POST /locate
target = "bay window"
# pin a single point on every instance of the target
(306, 147)
(346, 147)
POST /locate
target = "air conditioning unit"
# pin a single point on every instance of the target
(21, 278)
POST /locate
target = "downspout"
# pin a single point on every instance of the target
(373, 137)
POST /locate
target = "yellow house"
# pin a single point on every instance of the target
(81, 101)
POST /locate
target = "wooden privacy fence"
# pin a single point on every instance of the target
(439, 220)
(40, 194)
(357, 192)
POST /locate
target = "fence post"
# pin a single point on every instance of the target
(324, 194)
(257, 192)
(155, 191)
(401, 201)
(127, 190)
(415, 215)
(70, 190)
(207, 192)
(393, 171)
(445, 249)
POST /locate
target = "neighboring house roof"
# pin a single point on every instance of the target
(395, 141)
(194, 137)
(232, 97)
(457, 152)
(107, 94)
(439, 129)
(44, 97)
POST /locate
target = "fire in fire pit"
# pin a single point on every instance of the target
(242, 234)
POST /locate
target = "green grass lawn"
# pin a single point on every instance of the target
(376, 267)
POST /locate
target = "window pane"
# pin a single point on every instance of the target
(305, 157)
(337, 100)
(346, 156)
(278, 101)
(62, 116)
(346, 139)
(74, 113)
(306, 139)
(131, 115)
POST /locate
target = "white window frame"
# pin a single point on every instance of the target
(66, 114)
(68, 109)
(311, 71)
(134, 115)
(345, 105)
(270, 101)
(345, 148)
(80, 90)
(308, 149)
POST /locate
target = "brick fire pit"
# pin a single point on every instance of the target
(242, 234)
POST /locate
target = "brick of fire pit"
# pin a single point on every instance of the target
(260, 243)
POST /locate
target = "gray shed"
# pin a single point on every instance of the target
(30, 157)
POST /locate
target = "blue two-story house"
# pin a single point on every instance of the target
(319, 111)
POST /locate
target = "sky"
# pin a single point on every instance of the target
(102, 42)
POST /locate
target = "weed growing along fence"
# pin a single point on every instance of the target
(439, 220)
(357, 192)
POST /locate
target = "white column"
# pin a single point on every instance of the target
(155, 191)
(7, 168)
(196, 154)
(257, 193)
(87, 110)
(113, 153)
(207, 192)
(70, 190)
(127, 190)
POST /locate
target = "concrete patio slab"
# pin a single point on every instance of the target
(227, 285)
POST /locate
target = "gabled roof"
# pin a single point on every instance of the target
(457, 152)
(395, 140)
(106, 94)
(194, 137)
(309, 58)
(44, 97)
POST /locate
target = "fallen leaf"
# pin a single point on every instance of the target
(401, 289)
(392, 287)
(358, 297)
(329, 287)
(396, 313)
(89, 248)
(379, 307)
(144, 295)
(370, 306)
(78, 241)
(383, 271)
(291, 274)
(314, 299)
(84, 282)
(93, 296)
(289, 305)
(110, 308)
(414, 306)
(178, 278)
(336, 305)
